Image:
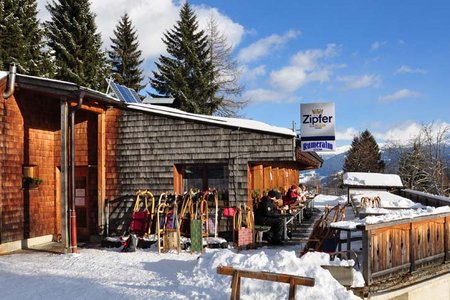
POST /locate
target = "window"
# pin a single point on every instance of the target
(205, 176)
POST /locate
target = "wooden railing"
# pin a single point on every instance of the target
(236, 274)
(405, 246)
(424, 198)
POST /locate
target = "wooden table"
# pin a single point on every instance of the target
(290, 217)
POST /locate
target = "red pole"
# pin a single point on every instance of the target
(73, 231)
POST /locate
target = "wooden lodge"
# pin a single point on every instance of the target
(65, 146)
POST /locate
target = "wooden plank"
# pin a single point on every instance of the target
(89, 107)
(236, 285)
(368, 254)
(258, 178)
(101, 167)
(268, 178)
(269, 276)
(446, 238)
(177, 181)
(412, 247)
(64, 174)
(292, 290)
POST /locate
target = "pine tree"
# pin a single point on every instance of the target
(364, 155)
(187, 74)
(77, 47)
(226, 72)
(125, 57)
(21, 38)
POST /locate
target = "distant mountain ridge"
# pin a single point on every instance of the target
(334, 161)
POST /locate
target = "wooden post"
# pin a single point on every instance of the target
(235, 286)
(292, 289)
(367, 250)
(64, 174)
(101, 171)
(236, 274)
(446, 239)
(412, 254)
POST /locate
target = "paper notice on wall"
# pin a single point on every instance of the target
(80, 192)
(80, 201)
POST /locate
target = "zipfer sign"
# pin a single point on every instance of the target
(318, 126)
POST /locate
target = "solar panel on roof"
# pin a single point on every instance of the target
(136, 95)
(124, 94)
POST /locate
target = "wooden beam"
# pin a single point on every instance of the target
(101, 168)
(64, 174)
(270, 276)
(89, 107)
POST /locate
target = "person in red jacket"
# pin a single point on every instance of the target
(292, 198)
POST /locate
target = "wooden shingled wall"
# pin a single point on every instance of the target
(148, 146)
(28, 136)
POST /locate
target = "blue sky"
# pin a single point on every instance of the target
(384, 63)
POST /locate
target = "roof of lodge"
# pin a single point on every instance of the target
(69, 88)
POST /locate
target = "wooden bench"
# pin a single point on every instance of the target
(236, 274)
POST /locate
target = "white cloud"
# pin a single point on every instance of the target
(151, 18)
(233, 31)
(266, 95)
(359, 82)
(377, 45)
(263, 46)
(305, 67)
(347, 135)
(401, 94)
(408, 70)
(401, 134)
(254, 73)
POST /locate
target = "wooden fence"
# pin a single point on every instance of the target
(405, 246)
(424, 198)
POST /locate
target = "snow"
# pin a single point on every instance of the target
(233, 122)
(372, 179)
(392, 215)
(388, 200)
(110, 274)
(437, 197)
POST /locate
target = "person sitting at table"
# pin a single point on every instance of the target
(303, 192)
(292, 198)
(267, 214)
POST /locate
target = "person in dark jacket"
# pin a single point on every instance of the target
(267, 214)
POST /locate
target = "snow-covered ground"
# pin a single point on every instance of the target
(110, 274)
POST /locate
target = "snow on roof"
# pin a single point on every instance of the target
(232, 122)
(392, 215)
(372, 179)
(151, 100)
(388, 200)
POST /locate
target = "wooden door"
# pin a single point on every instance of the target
(82, 202)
